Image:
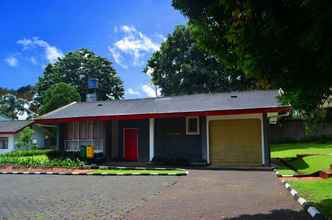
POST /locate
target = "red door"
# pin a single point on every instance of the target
(130, 143)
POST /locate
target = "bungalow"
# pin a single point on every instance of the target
(8, 133)
(218, 129)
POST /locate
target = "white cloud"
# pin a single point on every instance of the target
(117, 57)
(149, 71)
(135, 44)
(128, 29)
(150, 91)
(51, 52)
(11, 61)
(131, 91)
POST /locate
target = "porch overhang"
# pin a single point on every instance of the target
(162, 115)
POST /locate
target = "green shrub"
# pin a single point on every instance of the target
(22, 153)
(39, 158)
(24, 138)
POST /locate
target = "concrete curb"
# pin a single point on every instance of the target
(311, 210)
(124, 168)
(94, 174)
(279, 175)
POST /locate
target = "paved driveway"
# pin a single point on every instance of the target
(223, 195)
(201, 195)
(75, 197)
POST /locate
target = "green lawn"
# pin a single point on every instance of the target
(311, 164)
(138, 171)
(305, 165)
(318, 192)
(291, 150)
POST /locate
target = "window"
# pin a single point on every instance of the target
(192, 125)
(3, 142)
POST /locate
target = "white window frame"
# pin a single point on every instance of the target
(187, 125)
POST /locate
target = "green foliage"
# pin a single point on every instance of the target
(12, 106)
(38, 158)
(25, 153)
(180, 67)
(75, 68)
(24, 138)
(57, 96)
(286, 42)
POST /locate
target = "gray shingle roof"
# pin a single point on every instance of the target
(173, 104)
(13, 126)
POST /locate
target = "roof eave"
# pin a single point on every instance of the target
(163, 115)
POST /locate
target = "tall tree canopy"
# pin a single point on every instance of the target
(76, 68)
(180, 67)
(14, 107)
(287, 42)
(57, 96)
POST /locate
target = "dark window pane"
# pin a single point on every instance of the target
(3, 142)
(192, 125)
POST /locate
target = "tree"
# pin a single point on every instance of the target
(25, 92)
(180, 67)
(24, 138)
(286, 42)
(76, 68)
(14, 107)
(57, 96)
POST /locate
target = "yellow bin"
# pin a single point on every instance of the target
(90, 151)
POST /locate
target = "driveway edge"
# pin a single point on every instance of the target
(94, 174)
(311, 210)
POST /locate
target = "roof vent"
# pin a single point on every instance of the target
(100, 104)
(233, 96)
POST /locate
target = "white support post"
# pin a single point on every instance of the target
(151, 139)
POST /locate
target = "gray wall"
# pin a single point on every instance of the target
(171, 141)
(294, 130)
(143, 137)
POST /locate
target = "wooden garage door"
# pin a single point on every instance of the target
(235, 142)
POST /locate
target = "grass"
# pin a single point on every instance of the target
(311, 164)
(318, 192)
(138, 171)
(291, 150)
(303, 165)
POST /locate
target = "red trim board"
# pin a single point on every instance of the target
(162, 115)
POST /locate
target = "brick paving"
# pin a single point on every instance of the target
(75, 197)
(203, 194)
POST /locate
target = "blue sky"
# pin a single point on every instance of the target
(127, 32)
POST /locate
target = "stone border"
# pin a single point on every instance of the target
(93, 166)
(311, 210)
(279, 175)
(93, 174)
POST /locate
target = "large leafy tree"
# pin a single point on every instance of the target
(287, 42)
(180, 67)
(14, 107)
(76, 68)
(57, 96)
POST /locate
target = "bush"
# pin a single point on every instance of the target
(39, 158)
(24, 138)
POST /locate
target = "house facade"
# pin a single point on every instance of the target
(8, 133)
(217, 129)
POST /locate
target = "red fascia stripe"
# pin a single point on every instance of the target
(162, 115)
(8, 133)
